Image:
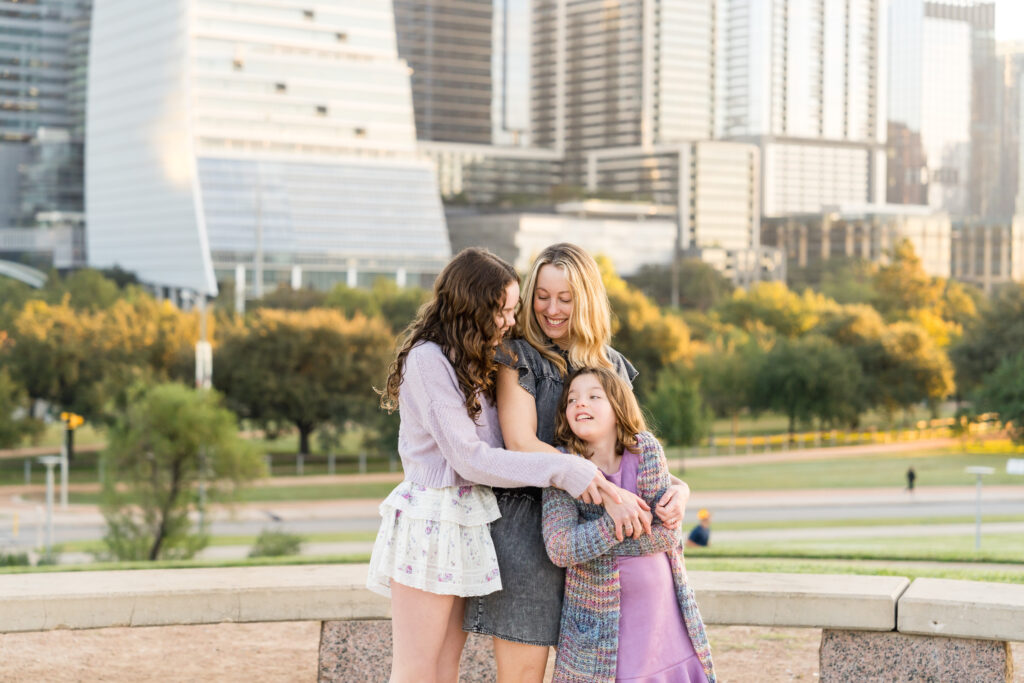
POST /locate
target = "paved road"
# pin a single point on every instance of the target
(85, 522)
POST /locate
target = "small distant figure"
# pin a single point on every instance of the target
(911, 476)
(701, 534)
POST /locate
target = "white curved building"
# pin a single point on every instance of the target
(264, 134)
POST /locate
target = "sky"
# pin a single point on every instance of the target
(1010, 20)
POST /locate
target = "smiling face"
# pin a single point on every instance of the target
(588, 411)
(506, 318)
(553, 303)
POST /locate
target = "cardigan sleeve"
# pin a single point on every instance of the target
(433, 396)
(568, 540)
(652, 482)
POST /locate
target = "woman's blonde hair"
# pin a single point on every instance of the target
(629, 419)
(590, 326)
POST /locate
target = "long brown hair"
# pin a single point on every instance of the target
(469, 295)
(590, 326)
(629, 419)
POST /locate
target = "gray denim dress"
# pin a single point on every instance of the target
(528, 608)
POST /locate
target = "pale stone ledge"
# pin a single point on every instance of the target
(963, 609)
(812, 600)
(161, 597)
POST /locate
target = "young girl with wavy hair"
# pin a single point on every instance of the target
(629, 614)
(434, 548)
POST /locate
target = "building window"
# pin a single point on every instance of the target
(280, 87)
(308, 14)
(321, 109)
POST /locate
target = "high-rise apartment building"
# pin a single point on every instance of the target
(38, 63)
(804, 81)
(942, 101)
(1009, 188)
(271, 140)
(622, 74)
(448, 45)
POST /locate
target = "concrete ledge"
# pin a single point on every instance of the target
(810, 600)
(160, 597)
(963, 609)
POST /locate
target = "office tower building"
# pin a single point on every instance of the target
(271, 141)
(622, 74)
(448, 46)
(942, 89)
(804, 81)
(37, 67)
(866, 232)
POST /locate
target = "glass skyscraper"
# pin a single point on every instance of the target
(803, 80)
(38, 67)
(268, 138)
(942, 80)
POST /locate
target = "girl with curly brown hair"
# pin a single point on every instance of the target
(434, 547)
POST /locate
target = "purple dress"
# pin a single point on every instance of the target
(654, 646)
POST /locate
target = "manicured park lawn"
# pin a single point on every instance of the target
(933, 468)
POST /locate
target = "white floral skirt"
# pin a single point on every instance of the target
(437, 540)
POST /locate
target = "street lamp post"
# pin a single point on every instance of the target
(49, 461)
(979, 472)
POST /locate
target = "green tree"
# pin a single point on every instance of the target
(849, 281)
(303, 368)
(397, 305)
(1002, 391)
(679, 414)
(996, 334)
(807, 378)
(84, 290)
(726, 379)
(701, 286)
(13, 399)
(157, 450)
(293, 299)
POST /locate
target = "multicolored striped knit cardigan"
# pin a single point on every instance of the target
(581, 537)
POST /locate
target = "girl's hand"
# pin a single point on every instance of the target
(632, 517)
(600, 484)
(672, 506)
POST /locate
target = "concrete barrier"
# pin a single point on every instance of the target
(874, 627)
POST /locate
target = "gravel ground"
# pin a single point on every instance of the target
(287, 651)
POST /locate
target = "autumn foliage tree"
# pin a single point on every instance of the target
(652, 339)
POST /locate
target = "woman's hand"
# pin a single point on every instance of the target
(672, 506)
(598, 485)
(632, 517)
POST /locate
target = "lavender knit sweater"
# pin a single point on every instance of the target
(440, 445)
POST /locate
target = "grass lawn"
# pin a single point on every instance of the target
(889, 568)
(1002, 548)
(942, 468)
(749, 564)
(934, 468)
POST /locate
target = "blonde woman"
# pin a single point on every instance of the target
(565, 324)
